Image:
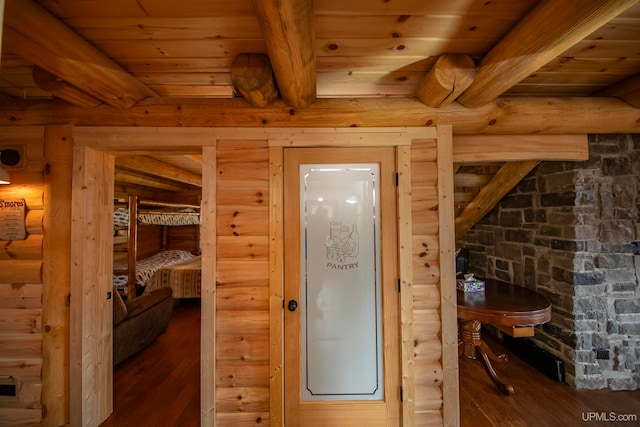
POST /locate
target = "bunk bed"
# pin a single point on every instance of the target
(145, 245)
(183, 278)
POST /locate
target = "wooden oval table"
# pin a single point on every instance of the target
(512, 309)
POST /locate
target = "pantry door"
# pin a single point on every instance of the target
(341, 327)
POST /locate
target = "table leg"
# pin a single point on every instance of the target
(471, 345)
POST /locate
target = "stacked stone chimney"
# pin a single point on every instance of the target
(569, 232)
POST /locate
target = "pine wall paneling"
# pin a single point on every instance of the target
(239, 242)
(242, 314)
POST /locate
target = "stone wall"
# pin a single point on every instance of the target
(567, 231)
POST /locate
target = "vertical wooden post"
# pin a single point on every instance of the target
(448, 295)
(58, 151)
(208, 289)
(405, 270)
(132, 254)
(276, 285)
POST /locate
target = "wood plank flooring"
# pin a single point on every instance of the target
(161, 387)
(538, 400)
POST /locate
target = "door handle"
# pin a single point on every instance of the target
(293, 304)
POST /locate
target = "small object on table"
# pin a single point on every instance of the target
(470, 284)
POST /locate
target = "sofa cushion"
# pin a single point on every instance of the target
(146, 300)
(148, 318)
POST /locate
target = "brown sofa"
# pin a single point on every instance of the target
(137, 323)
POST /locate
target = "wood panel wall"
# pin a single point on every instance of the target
(426, 280)
(155, 238)
(21, 283)
(185, 237)
(242, 323)
(242, 348)
(149, 240)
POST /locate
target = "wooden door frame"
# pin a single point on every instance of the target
(91, 323)
(389, 254)
(402, 139)
(108, 142)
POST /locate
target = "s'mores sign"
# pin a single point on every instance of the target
(12, 219)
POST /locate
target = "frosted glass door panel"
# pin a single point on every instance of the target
(341, 309)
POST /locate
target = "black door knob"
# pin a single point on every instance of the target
(293, 304)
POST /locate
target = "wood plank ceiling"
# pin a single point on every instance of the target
(446, 54)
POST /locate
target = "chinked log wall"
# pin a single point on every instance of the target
(34, 342)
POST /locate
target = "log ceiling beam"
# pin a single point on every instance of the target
(123, 190)
(150, 166)
(510, 174)
(252, 75)
(549, 29)
(123, 176)
(61, 89)
(449, 77)
(289, 34)
(37, 36)
(504, 116)
(471, 149)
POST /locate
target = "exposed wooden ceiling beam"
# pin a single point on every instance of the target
(122, 190)
(449, 77)
(628, 91)
(34, 34)
(289, 33)
(252, 75)
(127, 177)
(158, 168)
(504, 116)
(63, 90)
(549, 29)
(502, 182)
(470, 149)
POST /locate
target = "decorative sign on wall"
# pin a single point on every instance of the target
(12, 219)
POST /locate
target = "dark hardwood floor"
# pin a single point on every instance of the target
(161, 387)
(538, 400)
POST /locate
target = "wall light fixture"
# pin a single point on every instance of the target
(4, 176)
(8, 157)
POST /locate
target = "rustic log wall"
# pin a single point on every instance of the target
(242, 326)
(21, 288)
